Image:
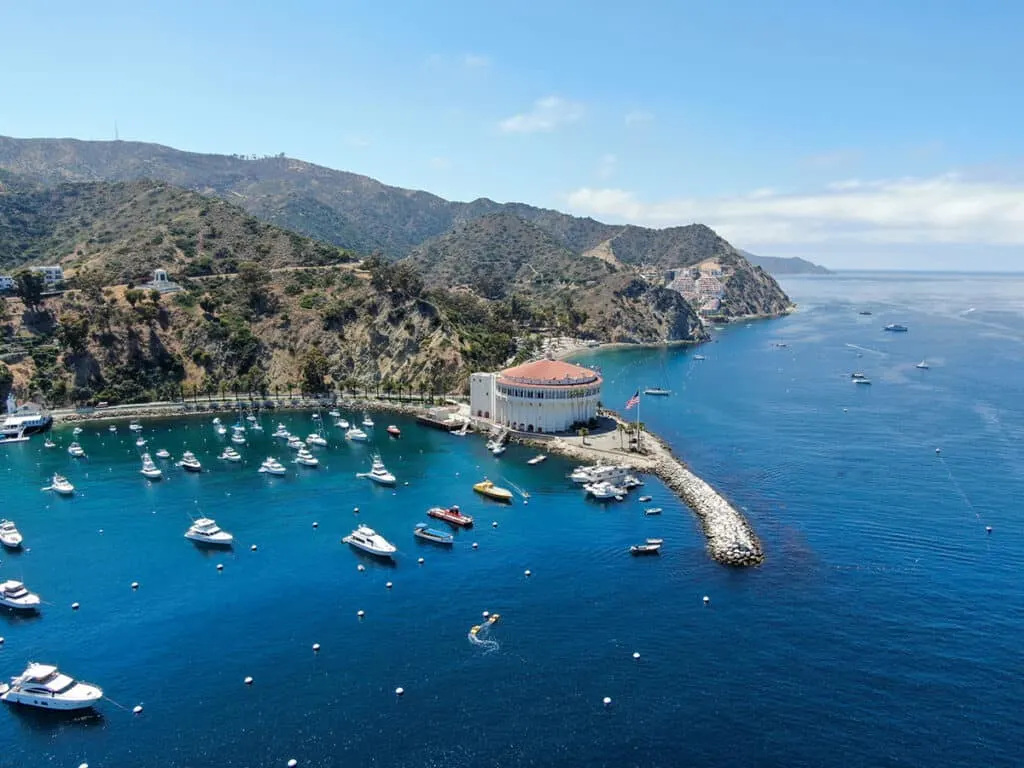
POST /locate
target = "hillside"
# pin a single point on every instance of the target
(122, 231)
(785, 265)
(360, 213)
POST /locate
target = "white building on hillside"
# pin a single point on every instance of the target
(51, 275)
(7, 283)
(162, 282)
(542, 396)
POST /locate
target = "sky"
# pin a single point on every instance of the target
(868, 134)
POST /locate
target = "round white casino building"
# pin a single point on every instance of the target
(542, 396)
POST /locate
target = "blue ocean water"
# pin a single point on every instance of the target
(884, 628)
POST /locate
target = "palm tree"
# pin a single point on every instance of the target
(583, 432)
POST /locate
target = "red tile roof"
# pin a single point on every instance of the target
(549, 373)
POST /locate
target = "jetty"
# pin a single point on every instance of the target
(731, 539)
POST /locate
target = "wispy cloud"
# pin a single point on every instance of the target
(606, 167)
(357, 141)
(943, 209)
(837, 158)
(475, 61)
(466, 60)
(439, 163)
(545, 115)
(638, 117)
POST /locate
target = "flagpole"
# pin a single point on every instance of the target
(638, 421)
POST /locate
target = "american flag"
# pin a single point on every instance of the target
(634, 400)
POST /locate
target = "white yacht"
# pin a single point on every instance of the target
(77, 431)
(272, 467)
(251, 418)
(112, 428)
(10, 536)
(281, 431)
(216, 420)
(15, 596)
(149, 469)
(923, 365)
(220, 429)
(378, 473)
(334, 414)
(537, 459)
(76, 451)
(629, 482)
(367, 421)
(368, 540)
(206, 531)
(317, 439)
(43, 686)
(237, 436)
(604, 491)
(600, 473)
(230, 454)
(163, 453)
(23, 421)
(140, 442)
(135, 426)
(355, 433)
(189, 462)
(342, 424)
(296, 443)
(306, 459)
(48, 443)
(60, 484)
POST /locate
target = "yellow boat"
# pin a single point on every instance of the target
(492, 491)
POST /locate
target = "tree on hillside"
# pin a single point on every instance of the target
(154, 295)
(253, 275)
(133, 296)
(73, 331)
(314, 369)
(6, 380)
(29, 286)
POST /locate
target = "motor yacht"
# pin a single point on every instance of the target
(23, 421)
(306, 459)
(77, 431)
(206, 531)
(272, 466)
(257, 427)
(356, 434)
(600, 473)
(394, 431)
(427, 533)
(296, 443)
(315, 439)
(896, 328)
(140, 442)
(378, 472)
(368, 540)
(342, 424)
(603, 491)
(135, 426)
(496, 448)
(281, 432)
(43, 686)
(16, 597)
(537, 459)
(701, 357)
(48, 443)
(451, 515)
(367, 421)
(190, 463)
(163, 453)
(334, 414)
(492, 491)
(250, 418)
(216, 420)
(230, 454)
(238, 436)
(645, 499)
(315, 417)
(649, 547)
(10, 536)
(652, 511)
(60, 484)
(220, 429)
(149, 469)
(630, 482)
(76, 451)
(112, 428)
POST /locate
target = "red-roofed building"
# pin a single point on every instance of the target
(542, 396)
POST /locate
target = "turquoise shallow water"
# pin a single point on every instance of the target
(883, 630)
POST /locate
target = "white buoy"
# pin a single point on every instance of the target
(74, 606)
(253, 547)
(360, 567)
(527, 572)
(135, 585)
(292, 763)
(316, 647)
(636, 654)
(360, 613)
(938, 450)
(355, 510)
(220, 566)
(248, 681)
(389, 585)
(137, 709)
(420, 561)
(83, 765)
(1, 641)
(988, 529)
(399, 691)
(607, 701)
(316, 524)
(706, 599)
(475, 545)
(485, 614)
(494, 524)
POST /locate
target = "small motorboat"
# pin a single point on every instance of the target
(394, 431)
(43, 686)
(537, 459)
(257, 427)
(342, 424)
(657, 391)
(699, 357)
(216, 420)
(858, 376)
(237, 436)
(281, 431)
(316, 417)
(76, 451)
(652, 511)
(135, 426)
(190, 463)
(10, 536)
(649, 547)
(272, 466)
(316, 439)
(378, 472)
(16, 597)
(140, 442)
(295, 442)
(230, 454)
(490, 490)
(922, 365)
(149, 469)
(220, 429)
(862, 380)
(603, 491)
(251, 418)
(451, 515)
(367, 421)
(334, 414)
(60, 484)
(77, 431)
(896, 328)
(631, 481)
(496, 448)
(356, 434)
(368, 540)
(645, 499)
(206, 531)
(48, 443)
(163, 453)
(306, 459)
(112, 428)
(423, 531)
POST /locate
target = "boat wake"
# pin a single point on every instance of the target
(865, 349)
(480, 635)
